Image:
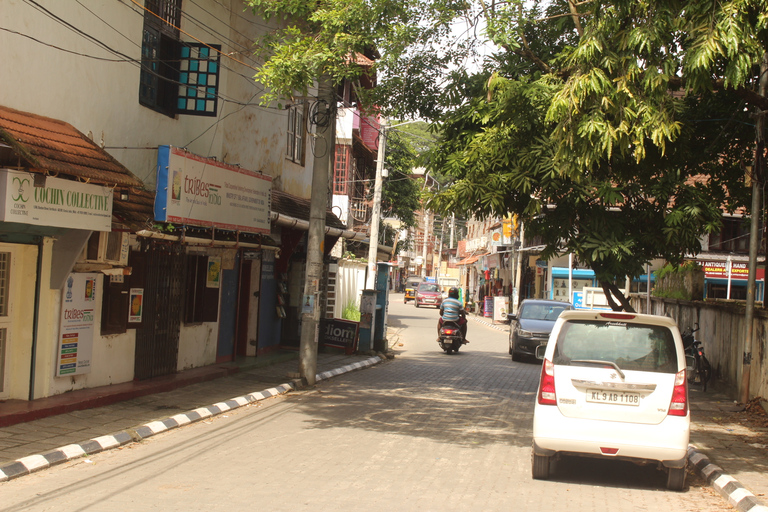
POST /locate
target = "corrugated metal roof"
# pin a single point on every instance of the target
(46, 144)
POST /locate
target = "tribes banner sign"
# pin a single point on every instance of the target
(203, 192)
(78, 302)
(58, 203)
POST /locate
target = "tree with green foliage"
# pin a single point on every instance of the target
(585, 133)
(400, 193)
(322, 37)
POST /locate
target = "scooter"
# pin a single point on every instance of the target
(451, 338)
(697, 366)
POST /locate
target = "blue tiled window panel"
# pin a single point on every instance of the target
(199, 79)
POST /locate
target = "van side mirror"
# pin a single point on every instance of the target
(540, 351)
(511, 317)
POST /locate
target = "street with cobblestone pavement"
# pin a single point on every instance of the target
(427, 431)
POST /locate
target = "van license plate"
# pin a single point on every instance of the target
(612, 397)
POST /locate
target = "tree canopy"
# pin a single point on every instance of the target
(616, 130)
(617, 136)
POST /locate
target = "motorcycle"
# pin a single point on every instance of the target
(450, 338)
(697, 366)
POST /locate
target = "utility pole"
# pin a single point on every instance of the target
(453, 228)
(757, 179)
(325, 118)
(424, 245)
(373, 247)
(440, 252)
(518, 270)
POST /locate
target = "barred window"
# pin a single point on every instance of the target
(341, 170)
(294, 149)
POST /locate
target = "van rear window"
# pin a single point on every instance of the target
(649, 348)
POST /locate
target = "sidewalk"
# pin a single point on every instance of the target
(114, 415)
(731, 448)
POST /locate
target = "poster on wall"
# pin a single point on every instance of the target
(76, 326)
(136, 307)
(213, 276)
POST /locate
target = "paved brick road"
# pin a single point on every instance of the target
(428, 432)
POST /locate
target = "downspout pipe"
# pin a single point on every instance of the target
(35, 319)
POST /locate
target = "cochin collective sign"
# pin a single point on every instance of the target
(203, 192)
(58, 203)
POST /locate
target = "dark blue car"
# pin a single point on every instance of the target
(531, 326)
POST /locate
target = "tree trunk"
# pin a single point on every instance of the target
(612, 292)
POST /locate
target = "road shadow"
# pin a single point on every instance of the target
(469, 398)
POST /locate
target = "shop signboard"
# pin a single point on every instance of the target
(506, 231)
(78, 303)
(488, 307)
(500, 309)
(56, 202)
(203, 192)
(369, 132)
(739, 270)
(340, 333)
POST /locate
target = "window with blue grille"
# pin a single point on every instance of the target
(198, 79)
(176, 77)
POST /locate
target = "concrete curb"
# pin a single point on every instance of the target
(33, 463)
(728, 487)
(482, 320)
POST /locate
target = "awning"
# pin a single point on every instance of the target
(50, 146)
(472, 259)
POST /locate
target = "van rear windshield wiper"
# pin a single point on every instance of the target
(604, 363)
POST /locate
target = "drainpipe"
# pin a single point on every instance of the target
(35, 318)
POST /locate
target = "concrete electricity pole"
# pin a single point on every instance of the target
(325, 123)
(757, 183)
(373, 247)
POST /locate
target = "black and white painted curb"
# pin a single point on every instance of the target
(32, 463)
(726, 485)
(482, 320)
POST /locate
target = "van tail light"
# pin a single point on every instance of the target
(547, 384)
(679, 404)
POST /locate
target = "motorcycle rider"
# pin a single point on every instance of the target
(451, 310)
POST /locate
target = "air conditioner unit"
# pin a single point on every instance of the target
(109, 247)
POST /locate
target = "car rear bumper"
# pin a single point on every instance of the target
(666, 442)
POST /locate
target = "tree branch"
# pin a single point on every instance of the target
(576, 21)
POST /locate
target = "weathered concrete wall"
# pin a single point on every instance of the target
(722, 330)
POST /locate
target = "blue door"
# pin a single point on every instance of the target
(228, 313)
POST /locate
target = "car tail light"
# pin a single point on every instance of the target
(679, 404)
(617, 316)
(609, 451)
(547, 384)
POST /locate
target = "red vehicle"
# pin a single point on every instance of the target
(428, 294)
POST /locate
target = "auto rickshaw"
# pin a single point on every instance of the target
(410, 288)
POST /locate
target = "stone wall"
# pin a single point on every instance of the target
(722, 331)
